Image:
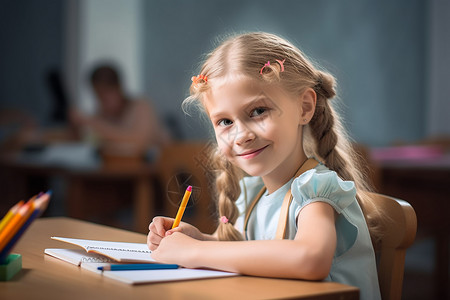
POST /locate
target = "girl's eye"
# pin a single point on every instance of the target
(225, 122)
(258, 111)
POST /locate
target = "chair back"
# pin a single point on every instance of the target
(182, 164)
(399, 234)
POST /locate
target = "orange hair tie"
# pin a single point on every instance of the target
(196, 79)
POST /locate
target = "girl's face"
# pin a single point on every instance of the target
(258, 127)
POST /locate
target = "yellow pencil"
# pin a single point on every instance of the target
(16, 222)
(182, 207)
(10, 214)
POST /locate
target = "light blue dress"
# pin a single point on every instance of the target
(354, 260)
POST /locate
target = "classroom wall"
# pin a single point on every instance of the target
(438, 110)
(31, 44)
(376, 49)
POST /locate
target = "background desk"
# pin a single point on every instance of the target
(45, 277)
(90, 189)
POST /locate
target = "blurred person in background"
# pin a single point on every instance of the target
(122, 125)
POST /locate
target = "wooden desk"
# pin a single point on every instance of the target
(49, 278)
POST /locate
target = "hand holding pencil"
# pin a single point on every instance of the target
(161, 227)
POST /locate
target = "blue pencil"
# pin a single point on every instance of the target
(129, 267)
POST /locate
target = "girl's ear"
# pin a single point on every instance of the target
(307, 100)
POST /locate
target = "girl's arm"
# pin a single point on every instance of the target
(308, 256)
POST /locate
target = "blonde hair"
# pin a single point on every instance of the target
(324, 137)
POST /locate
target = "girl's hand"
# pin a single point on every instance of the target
(161, 227)
(177, 248)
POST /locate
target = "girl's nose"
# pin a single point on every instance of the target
(244, 135)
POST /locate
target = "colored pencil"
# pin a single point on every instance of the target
(135, 267)
(16, 223)
(40, 205)
(182, 207)
(10, 214)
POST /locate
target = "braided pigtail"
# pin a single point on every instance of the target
(332, 146)
(325, 127)
(228, 190)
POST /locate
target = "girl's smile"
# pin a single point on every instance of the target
(252, 153)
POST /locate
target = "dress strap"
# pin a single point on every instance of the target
(309, 164)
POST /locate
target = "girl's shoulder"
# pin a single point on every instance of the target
(323, 184)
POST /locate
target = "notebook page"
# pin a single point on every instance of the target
(78, 256)
(119, 251)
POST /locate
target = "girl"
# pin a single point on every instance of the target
(270, 110)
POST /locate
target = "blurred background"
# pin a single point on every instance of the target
(76, 76)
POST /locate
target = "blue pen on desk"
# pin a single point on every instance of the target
(133, 267)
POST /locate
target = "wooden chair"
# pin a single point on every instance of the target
(182, 164)
(400, 231)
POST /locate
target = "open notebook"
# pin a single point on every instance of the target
(102, 253)
(116, 251)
